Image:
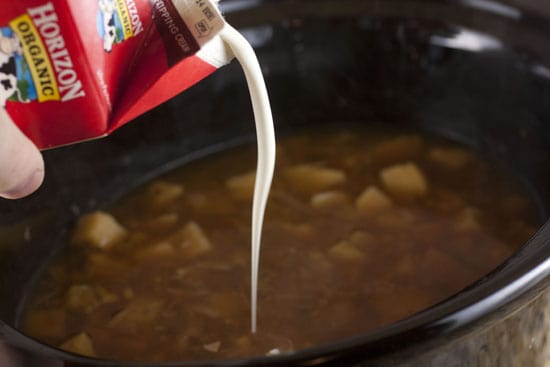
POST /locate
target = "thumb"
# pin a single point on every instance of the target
(6, 357)
(21, 164)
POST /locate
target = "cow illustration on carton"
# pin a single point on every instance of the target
(16, 83)
(117, 21)
(35, 64)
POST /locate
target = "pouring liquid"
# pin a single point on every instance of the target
(266, 149)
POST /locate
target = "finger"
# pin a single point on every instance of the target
(21, 164)
(6, 357)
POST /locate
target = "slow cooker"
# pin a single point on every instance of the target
(474, 71)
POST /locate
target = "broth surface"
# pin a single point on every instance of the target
(363, 228)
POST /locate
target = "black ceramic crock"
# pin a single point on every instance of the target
(476, 71)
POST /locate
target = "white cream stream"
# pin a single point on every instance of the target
(266, 148)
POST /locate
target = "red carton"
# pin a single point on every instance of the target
(73, 70)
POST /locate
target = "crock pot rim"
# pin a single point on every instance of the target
(528, 270)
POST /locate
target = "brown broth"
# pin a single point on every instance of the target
(330, 268)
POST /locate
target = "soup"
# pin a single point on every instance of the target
(363, 228)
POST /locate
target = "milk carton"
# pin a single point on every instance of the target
(73, 70)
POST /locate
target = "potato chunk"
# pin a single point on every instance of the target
(371, 200)
(162, 193)
(81, 297)
(100, 230)
(299, 230)
(80, 344)
(405, 181)
(225, 305)
(242, 186)
(138, 313)
(310, 178)
(345, 251)
(213, 347)
(469, 218)
(86, 298)
(162, 222)
(105, 296)
(211, 202)
(453, 158)
(329, 199)
(191, 240)
(397, 149)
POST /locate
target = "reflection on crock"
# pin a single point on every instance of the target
(257, 36)
(494, 7)
(233, 6)
(541, 71)
(468, 40)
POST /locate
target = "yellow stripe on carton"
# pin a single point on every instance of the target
(37, 59)
(124, 16)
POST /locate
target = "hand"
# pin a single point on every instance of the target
(7, 358)
(21, 164)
